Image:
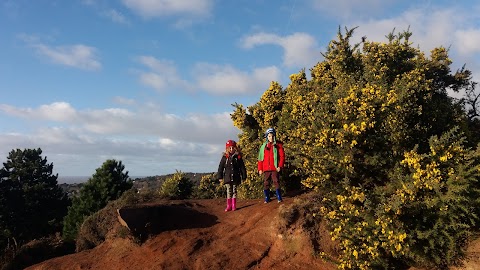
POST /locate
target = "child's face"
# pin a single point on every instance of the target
(230, 149)
(270, 137)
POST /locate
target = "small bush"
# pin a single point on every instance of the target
(177, 187)
(252, 187)
(209, 188)
(104, 223)
(36, 251)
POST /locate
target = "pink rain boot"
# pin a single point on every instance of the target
(229, 205)
(234, 204)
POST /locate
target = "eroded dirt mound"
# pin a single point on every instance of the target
(147, 220)
(198, 234)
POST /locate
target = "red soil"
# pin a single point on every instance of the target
(202, 236)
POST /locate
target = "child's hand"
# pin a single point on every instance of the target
(260, 172)
(278, 169)
(221, 180)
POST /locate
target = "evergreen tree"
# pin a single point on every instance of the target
(32, 204)
(107, 184)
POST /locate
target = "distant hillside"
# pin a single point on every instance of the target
(72, 179)
(154, 182)
(141, 183)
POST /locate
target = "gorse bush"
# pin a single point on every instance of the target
(437, 190)
(375, 130)
(209, 188)
(177, 187)
(424, 216)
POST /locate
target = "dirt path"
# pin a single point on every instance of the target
(209, 239)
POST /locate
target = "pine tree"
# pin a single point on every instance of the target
(107, 184)
(32, 204)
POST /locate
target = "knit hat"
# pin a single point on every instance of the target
(230, 143)
(270, 130)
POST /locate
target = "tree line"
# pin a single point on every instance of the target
(33, 205)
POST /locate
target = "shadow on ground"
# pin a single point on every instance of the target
(152, 220)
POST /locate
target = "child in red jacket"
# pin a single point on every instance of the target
(231, 171)
(271, 158)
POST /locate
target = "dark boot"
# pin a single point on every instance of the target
(229, 205)
(279, 196)
(266, 192)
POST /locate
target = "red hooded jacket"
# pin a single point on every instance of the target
(268, 162)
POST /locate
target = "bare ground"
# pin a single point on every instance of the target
(198, 234)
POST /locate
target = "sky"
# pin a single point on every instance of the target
(151, 83)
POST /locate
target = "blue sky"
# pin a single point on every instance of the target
(151, 82)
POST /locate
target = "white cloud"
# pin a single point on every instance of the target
(433, 26)
(468, 41)
(199, 128)
(161, 8)
(77, 56)
(300, 49)
(123, 101)
(261, 38)
(57, 111)
(101, 7)
(226, 80)
(154, 80)
(162, 75)
(430, 28)
(188, 143)
(116, 16)
(167, 142)
(75, 154)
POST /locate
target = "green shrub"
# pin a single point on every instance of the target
(371, 130)
(177, 187)
(424, 217)
(209, 188)
(37, 251)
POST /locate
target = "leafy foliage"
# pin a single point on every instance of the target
(107, 184)
(209, 188)
(253, 121)
(375, 130)
(177, 187)
(32, 204)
